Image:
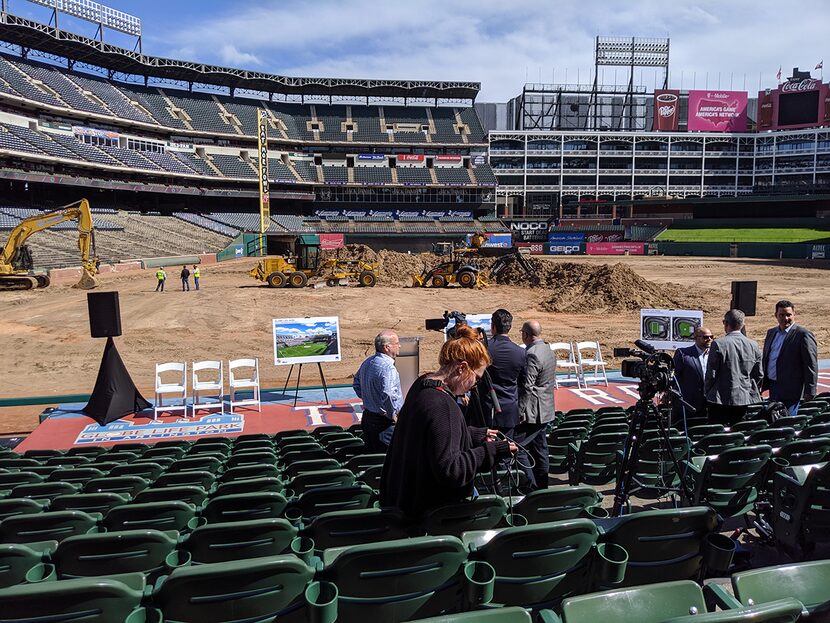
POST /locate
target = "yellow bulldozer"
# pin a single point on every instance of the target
(461, 264)
(306, 265)
(16, 260)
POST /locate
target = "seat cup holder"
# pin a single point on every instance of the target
(321, 598)
(597, 512)
(294, 516)
(515, 520)
(718, 551)
(479, 582)
(612, 560)
(303, 548)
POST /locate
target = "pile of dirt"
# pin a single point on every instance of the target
(394, 269)
(572, 287)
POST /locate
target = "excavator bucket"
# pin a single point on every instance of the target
(88, 281)
(417, 281)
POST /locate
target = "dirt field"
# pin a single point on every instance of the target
(46, 348)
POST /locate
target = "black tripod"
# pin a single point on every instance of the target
(630, 460)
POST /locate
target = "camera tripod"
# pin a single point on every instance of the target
(630, 460)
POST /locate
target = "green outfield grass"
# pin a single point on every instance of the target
(744, 235)
(309, 349)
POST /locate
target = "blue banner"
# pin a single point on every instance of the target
(123, 430)
(371, 157)
(503, 241)
(564, 248)
(557, 238)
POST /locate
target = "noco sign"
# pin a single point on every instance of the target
(528, 231)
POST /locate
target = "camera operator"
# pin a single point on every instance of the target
(434, 455)
(733, 373)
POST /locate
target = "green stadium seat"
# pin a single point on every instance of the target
(775, 436)
(559, 503)
(90, 451)
(748, 426)
(299, 467)
(793, 421)
(201, 463)
(88, 502)
(245, 472)
(483, 513)
(539, 565)
(257, 589)
(678, 602)
(142, 468)
(308, 454)
(174, 515)
(10, 480)
(327, 499)
(120, 456)
(696, 433)
(20, 506)
(244, 507)
(296, 444)
(150, 552)
(728, 482)
(44, 490)
(251, 458)
(714, 444)
(191, 494)
(134, 447)
(289, 434)
(801, 508)
(46, 526)
(214, 448)
(397, 580)
(18, 462)
(129, 485)
(357, 527)
(83, 600)
(371, 476)
(345, 450)
(800, 452)
(45, 470)
(69, 461)
(251, 438)
(358, 463)
(815, 430)
(662, 545)
(595, 460)
(76, 475)
(41, 454)
(17, 559)
(174, 453)
(250, 485)
(501, 615)
(319, 431)
(307, 481)
(198, 478)
(808, 582)
(656, 474)
(237, 540)
(254, 445)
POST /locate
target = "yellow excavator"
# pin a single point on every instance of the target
(16, 260)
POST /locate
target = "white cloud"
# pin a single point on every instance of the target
(504, 44)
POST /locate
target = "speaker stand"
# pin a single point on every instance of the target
(115, 395)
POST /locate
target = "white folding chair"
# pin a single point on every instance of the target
(174, 384)
(568, 364)
(208, 386)
(592, 359)
(238, 382)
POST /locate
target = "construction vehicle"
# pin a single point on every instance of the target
(16, 259)
(306, 264)
(464, 267)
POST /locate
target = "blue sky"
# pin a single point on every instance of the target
(739, 43)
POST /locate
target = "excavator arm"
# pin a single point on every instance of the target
(11, 276)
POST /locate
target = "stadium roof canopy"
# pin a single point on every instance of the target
(34, 35)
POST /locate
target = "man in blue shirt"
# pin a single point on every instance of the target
(790, 360)
(378, 384)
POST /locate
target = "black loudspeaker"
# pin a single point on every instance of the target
(104, 314)
(743, 296)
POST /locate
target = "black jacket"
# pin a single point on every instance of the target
(690, 376)
(796, 369)
(434, 456)
(508, 365)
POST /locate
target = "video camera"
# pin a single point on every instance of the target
(654, 368)
(439, 324)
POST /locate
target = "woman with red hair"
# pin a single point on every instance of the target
(434, 456)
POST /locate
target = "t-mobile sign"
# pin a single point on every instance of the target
(717, 111)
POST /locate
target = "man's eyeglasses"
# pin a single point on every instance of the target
(707, 337)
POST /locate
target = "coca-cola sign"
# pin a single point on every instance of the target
(808, 84)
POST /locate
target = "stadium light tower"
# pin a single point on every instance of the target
(628, 52)
(100, 15)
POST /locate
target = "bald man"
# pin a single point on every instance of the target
(690, 372)
(536, 407)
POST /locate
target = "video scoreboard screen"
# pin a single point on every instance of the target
(798, 108)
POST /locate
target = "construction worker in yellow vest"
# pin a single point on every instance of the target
(161, 276)
(196, 274)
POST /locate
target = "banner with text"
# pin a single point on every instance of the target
(666, 110)
(329, 242)
(529, 231)
(717, 111)
(504, 241)
(615, 248)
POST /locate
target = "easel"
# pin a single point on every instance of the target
(297, 386)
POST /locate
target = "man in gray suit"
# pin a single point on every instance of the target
(689, 369)
(733, 372)
(536, 406)
(790, 360)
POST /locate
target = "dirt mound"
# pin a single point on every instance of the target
(573, 287)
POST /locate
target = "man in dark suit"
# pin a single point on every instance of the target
(536, 408)
(733, 372)
(508, 362)
(790, 360)
(689, 369)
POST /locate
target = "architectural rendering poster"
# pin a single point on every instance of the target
(669, 329)
(306, 340)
